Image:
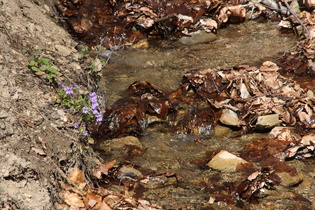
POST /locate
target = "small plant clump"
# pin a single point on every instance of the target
(87, 105)
(42, 66)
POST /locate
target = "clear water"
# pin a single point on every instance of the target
(164, 64)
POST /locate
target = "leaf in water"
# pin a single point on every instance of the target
(250, 188)
(103, 169)
(198, 121)
(127, 120)
(130, 151)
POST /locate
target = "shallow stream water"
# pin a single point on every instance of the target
(164, 64)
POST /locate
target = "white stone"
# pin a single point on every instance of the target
(267, 121)
(225, 161)
(230, 118)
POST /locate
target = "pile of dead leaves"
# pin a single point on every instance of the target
(112, 23)
(81, 192)
(130, 117)
(249, 92)
(253, 92)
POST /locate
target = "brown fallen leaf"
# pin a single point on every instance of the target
(92, 200)
(73, 199)
(77, 176)
(103, 169)
(104, 206)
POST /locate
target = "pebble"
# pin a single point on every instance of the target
(225, 161)
(126, 170)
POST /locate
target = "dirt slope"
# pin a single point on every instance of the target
(34, 141)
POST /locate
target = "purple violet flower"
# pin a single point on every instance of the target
(94, 105)
(76, 126)
(61, 84)
(85, 133)
(85, 110)
(69, 90)
(99, 117)
(95, 111)
(93, 95)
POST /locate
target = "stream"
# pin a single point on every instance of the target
(163, 64)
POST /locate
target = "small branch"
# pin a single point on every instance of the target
(306, 31)
(63, 175)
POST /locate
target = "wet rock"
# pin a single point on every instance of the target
(197, 37)
(151, 119)
(222, 131)
(229, 118)
(121, 142)
(267, 122)
(159, 181)
(225, 161)
(142, 44)
(129, 171)
(288, 181)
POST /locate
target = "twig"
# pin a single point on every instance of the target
(306, 31)
(7, 32)
(63, 175)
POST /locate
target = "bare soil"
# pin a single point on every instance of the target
(37, 145)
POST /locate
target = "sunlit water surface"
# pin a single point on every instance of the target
(164, 64)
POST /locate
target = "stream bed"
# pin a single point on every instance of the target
(163, 64)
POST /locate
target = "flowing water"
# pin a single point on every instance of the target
(164, 64)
